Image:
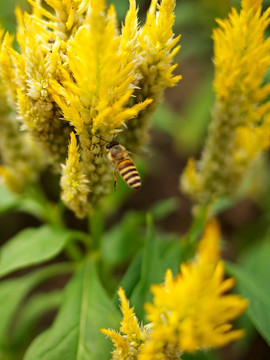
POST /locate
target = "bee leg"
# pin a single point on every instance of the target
(115, 179)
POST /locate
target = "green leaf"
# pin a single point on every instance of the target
(33, 202)
(253, 283)
(241, 346)
(201, 355)
(163, 208)
(96, 227)
(151, 272)
(33, 207)
(170, 252)
(75, 333)
(32, 246)
(123, 240)
(161, 251)
(8, 200)
(26, 323)
(131, 276)
(12, 293)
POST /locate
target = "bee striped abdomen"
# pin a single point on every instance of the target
(118, 156)
(129, 173)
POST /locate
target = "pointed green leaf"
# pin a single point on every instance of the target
(168, 253)
(131, 276)
(163, 208)
(28, 317)
(75, 334)
(8, 200)
(201, 355)
(253, 283)
(123, 240)
(32, 246)
(13, 291)
(150, 271)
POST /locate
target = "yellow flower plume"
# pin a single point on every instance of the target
(67, 18)
(128, 342)
(241, 111)
(93, 93)
(21, 159)
(26, 76)
(156, 38)
(156, 50)
(76, 72)
(191, 312)
(103, 77)
(7, 72)
(73, 181)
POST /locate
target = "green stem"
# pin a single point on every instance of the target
(96, 227)
(189, 242)
(73, 252)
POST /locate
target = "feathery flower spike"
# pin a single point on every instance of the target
(93, 95)
(127, 343)
(191, 312)
(241, 111)
(22, 160)
(157, 48)
(77, 73)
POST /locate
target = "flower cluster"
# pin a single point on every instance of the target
(128, 345)
(156, 50)
(240, 128)
(21, 159)
(79, 78)
(190, 312)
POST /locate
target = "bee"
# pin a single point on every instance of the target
(119, 158)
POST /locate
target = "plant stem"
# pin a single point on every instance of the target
(96, 226)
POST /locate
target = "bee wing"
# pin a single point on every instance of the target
(142, 154)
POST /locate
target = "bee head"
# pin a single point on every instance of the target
(112, 144)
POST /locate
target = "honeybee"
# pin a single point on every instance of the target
(119, 158)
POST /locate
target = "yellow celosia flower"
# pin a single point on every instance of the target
(241, 59)
(251, 141)
(156, 49)
(191, 312)
(128, 342)
(7, 71)
(242, 56)
(73, 181)
(156, 38)
(103, 78)
(129, 41)
(76, 72)
(21, 159)
(93, 93)
(191, 178)
(68, 17)
(107, 73)
(27, 77)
